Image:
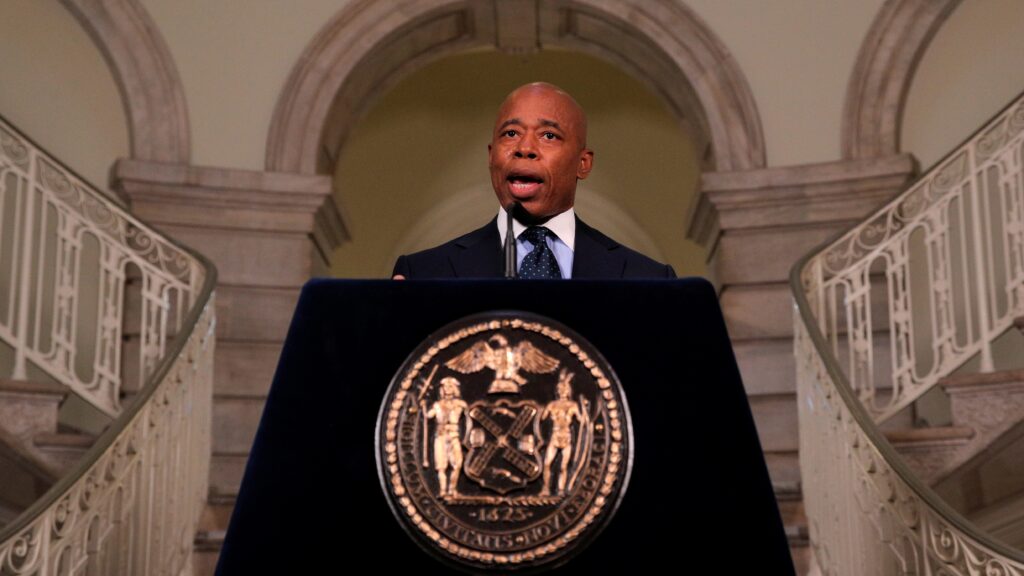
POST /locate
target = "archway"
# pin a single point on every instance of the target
(367, 47)
(877, 92)
(141, 63)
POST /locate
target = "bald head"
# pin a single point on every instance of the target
(555, 94)
(538, 150)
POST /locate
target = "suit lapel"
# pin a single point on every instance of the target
(596, 255)
(479, 254)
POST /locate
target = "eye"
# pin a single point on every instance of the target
(508, 133)
(549, 136)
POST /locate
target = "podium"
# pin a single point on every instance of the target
(699, 499)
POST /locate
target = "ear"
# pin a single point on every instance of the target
(586, 163)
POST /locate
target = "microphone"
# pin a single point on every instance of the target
(510, 242)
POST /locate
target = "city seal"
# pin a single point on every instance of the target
(504, 443)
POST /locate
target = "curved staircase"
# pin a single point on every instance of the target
(909, 373)
(106, 348)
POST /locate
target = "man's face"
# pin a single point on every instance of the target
(538, 151)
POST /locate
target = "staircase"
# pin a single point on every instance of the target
(37, 450)
(106, 343)
(919, 301)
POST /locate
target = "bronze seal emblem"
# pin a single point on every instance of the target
(504, 443)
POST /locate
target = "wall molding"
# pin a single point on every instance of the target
(142, 66)
(881, 78)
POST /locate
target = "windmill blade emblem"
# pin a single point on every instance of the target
(506, 361)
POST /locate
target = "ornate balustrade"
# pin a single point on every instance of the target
(95, 299)
(886, 310)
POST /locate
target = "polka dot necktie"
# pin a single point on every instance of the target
(540, 263)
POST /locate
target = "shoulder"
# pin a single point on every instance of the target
(620, 259)
(437, 262)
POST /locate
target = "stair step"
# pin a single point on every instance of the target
(935, 436)
(794, 519)
(213, 526)
(30, 387)
(71, 440)
(210, 540)
(974, 382)
(787, 490)
(62, 448)
(206, 551)
(990, 403)
(28, 408)
(216, 516)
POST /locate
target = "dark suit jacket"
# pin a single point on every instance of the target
(479, 255)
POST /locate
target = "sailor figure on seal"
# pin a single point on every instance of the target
(448, 412)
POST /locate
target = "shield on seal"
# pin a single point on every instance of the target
(503, 452)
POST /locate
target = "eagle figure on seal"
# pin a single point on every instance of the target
(506, 361)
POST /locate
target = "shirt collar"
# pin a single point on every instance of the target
(563, 225)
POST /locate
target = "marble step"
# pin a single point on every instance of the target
(28, 408)
(213, 525)
(64, 449)
(930, 451)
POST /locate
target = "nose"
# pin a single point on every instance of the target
(524, 149)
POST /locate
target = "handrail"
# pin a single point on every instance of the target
(132, 503)
(955, 239)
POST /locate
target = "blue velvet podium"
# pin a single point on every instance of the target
(699, 499)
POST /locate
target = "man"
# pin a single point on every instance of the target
(538, 152)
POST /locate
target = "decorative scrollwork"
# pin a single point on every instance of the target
(949, 175)
(1015, 124)
(991, 140)
(23, 554)
(943, 215)
(14, 149)
(883, 503)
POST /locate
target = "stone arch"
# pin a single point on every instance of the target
(878, 87)
(367, 47)
(141, 63)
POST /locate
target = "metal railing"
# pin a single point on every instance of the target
(82, 282)
(883, 312)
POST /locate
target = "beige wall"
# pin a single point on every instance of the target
(427, 141)
(797, 56)
(56, 87)
(234, 57)
(973, 68)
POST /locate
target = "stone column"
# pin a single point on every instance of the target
(756, 224)
(267, 233)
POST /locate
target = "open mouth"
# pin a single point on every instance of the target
(520, 183)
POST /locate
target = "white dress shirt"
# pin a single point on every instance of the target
(562, 243)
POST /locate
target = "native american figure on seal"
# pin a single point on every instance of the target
(562, 412)
(505, 360)
(448, 412)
